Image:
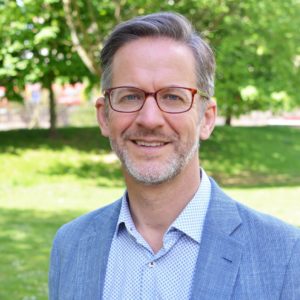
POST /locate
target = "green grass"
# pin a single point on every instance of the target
(47, 182)
(254, 156)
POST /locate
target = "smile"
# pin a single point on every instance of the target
(149, 144)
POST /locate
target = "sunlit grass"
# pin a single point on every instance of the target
(282, 202)
(25, 239)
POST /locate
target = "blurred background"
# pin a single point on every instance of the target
(55, 165)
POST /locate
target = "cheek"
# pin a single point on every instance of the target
(119, 124)
(186, 126)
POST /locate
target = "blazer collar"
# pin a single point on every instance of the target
(93, 251)
(220, 251)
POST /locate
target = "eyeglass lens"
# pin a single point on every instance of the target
(172, 99)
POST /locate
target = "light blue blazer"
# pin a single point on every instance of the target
(243, 255)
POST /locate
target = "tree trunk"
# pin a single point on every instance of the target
(52, 106)
(53, 117)
(228, 120)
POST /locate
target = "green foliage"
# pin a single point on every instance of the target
(36, 46)
(256, 44)
(256, 47)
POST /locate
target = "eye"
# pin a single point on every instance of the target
(125, 95)
(172, 97)
(131, 97)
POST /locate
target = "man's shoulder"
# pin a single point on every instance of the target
(265, 249)
(267, 229)
(269, 243)
(258, 226)
(87, 223)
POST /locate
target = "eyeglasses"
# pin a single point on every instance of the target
(173, 100)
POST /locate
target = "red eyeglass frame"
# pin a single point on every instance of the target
(107, 94)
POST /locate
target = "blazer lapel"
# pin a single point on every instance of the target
(92, 254)
(220, 252)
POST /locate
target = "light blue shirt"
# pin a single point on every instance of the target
(134, 271)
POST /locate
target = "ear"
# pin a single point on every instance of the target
(102, 117)
(208, 120)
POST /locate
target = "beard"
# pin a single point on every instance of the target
(151, 172)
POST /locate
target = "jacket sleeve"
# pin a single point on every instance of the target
(291, 284)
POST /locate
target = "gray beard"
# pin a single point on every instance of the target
(153, 175)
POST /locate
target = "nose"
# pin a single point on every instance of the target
(150, 116)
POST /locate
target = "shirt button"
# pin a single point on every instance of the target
(151, 264)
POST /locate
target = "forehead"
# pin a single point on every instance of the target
(153, 58)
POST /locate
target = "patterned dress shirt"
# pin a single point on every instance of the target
(135, 272)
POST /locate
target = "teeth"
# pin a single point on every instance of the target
(149, 144)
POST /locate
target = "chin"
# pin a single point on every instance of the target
(153, 175)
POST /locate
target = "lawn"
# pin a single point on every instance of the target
(47, 182)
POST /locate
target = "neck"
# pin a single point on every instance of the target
(155, 207)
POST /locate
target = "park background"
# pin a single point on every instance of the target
(55, 165)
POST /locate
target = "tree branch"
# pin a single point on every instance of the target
(85, 54)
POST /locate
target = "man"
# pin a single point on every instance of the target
(174, 234)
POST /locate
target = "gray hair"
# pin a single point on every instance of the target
(165, 24)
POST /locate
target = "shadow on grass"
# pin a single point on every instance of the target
(235, 156)
(25, 242)
(80, 138)
(253, 156)
(103, 174)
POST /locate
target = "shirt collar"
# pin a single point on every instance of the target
(190, 221)
(125, 215)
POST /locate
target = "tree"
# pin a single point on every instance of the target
(36, 47)
(90, 21)
(256, 44)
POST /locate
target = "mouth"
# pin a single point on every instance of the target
(150, 144)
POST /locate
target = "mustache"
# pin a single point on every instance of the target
(149, 133)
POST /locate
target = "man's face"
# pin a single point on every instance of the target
(152, 145)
